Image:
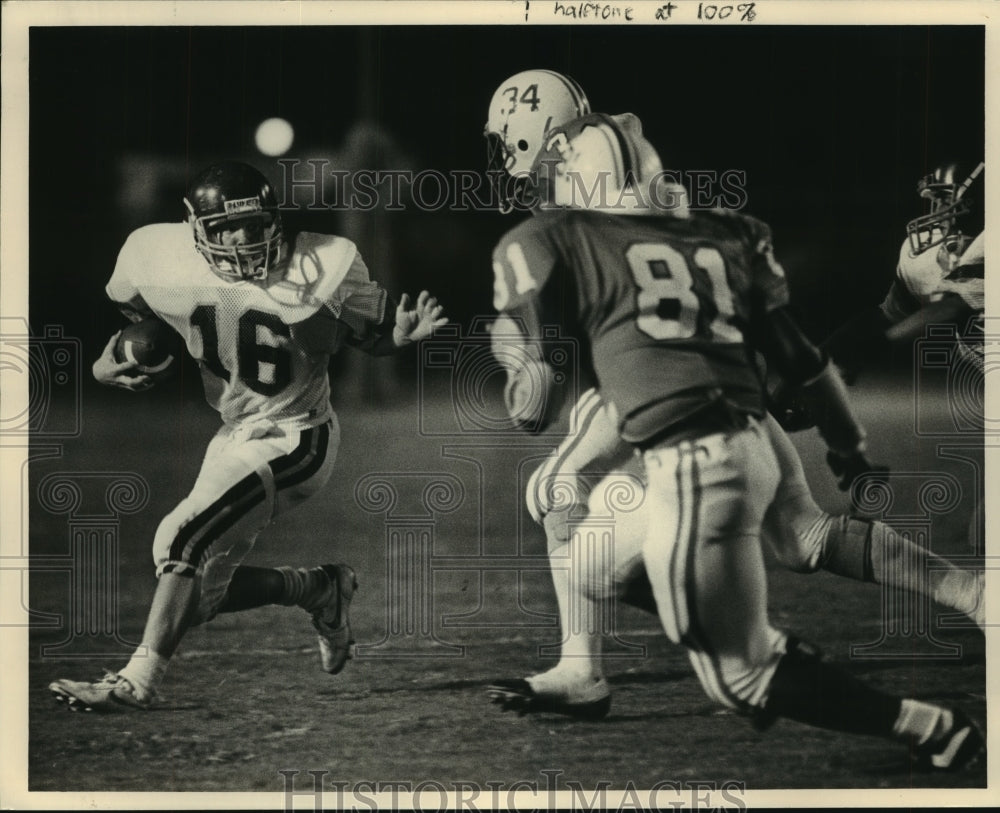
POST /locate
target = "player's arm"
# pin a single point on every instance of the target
(375, 323)
(402, 324)
(865, 336)
(807, 368)
(523, 265)
(112, 373)
(123, 292)
(856, 341)
(962, 296)
(801, 364)
(531, 396)
(850, 347)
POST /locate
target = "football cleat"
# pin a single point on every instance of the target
(332, 621)
(959, 747)
(516, 694)
(112, 693)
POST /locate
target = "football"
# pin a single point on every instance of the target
(152, 345)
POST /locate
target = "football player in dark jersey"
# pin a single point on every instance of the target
(653, 291)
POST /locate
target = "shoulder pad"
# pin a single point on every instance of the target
(318, 265)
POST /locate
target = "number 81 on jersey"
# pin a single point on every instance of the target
(672, 303)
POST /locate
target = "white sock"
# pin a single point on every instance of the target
(145, 673)
(921, 721)
(958, 589)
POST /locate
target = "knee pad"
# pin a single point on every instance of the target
(848, 547)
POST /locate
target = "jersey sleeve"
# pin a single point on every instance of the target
(360, 302)
(968, 279)
(523, 261)
(122, 288)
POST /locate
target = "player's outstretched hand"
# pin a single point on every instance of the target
(114, 374)
(417, 322)
(848, 469)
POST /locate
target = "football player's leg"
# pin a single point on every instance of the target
(703, 557)
(199, 546)
(806, 539)
(560, 496)
(226, 486)
(707, 572)
(301, 469)
(589, 571)
(299, 464)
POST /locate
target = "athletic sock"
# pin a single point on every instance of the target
(921, 722)
(252, 587)
(870, 550)
(807, 689)
(308, 588)
(145, 673)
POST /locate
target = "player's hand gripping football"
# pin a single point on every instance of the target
(417, 323)
(848, 469)
(116, 374)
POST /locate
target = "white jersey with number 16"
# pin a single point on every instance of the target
(263, 347)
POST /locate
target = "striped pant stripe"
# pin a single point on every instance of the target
(244, 495)
(586, 410)
(196, 537)
(305, 461)
(684, 577)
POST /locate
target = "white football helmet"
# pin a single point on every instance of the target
(954, 215)
(604, 163)
(523, 109)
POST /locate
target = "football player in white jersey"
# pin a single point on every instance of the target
(592, 469)
(261, 312)
(940, 279)
(939, 276)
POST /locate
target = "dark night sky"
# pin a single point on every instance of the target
(832, 126)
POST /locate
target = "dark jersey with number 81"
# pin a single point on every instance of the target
(664, 301)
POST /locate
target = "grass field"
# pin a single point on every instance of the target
(245, 699)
